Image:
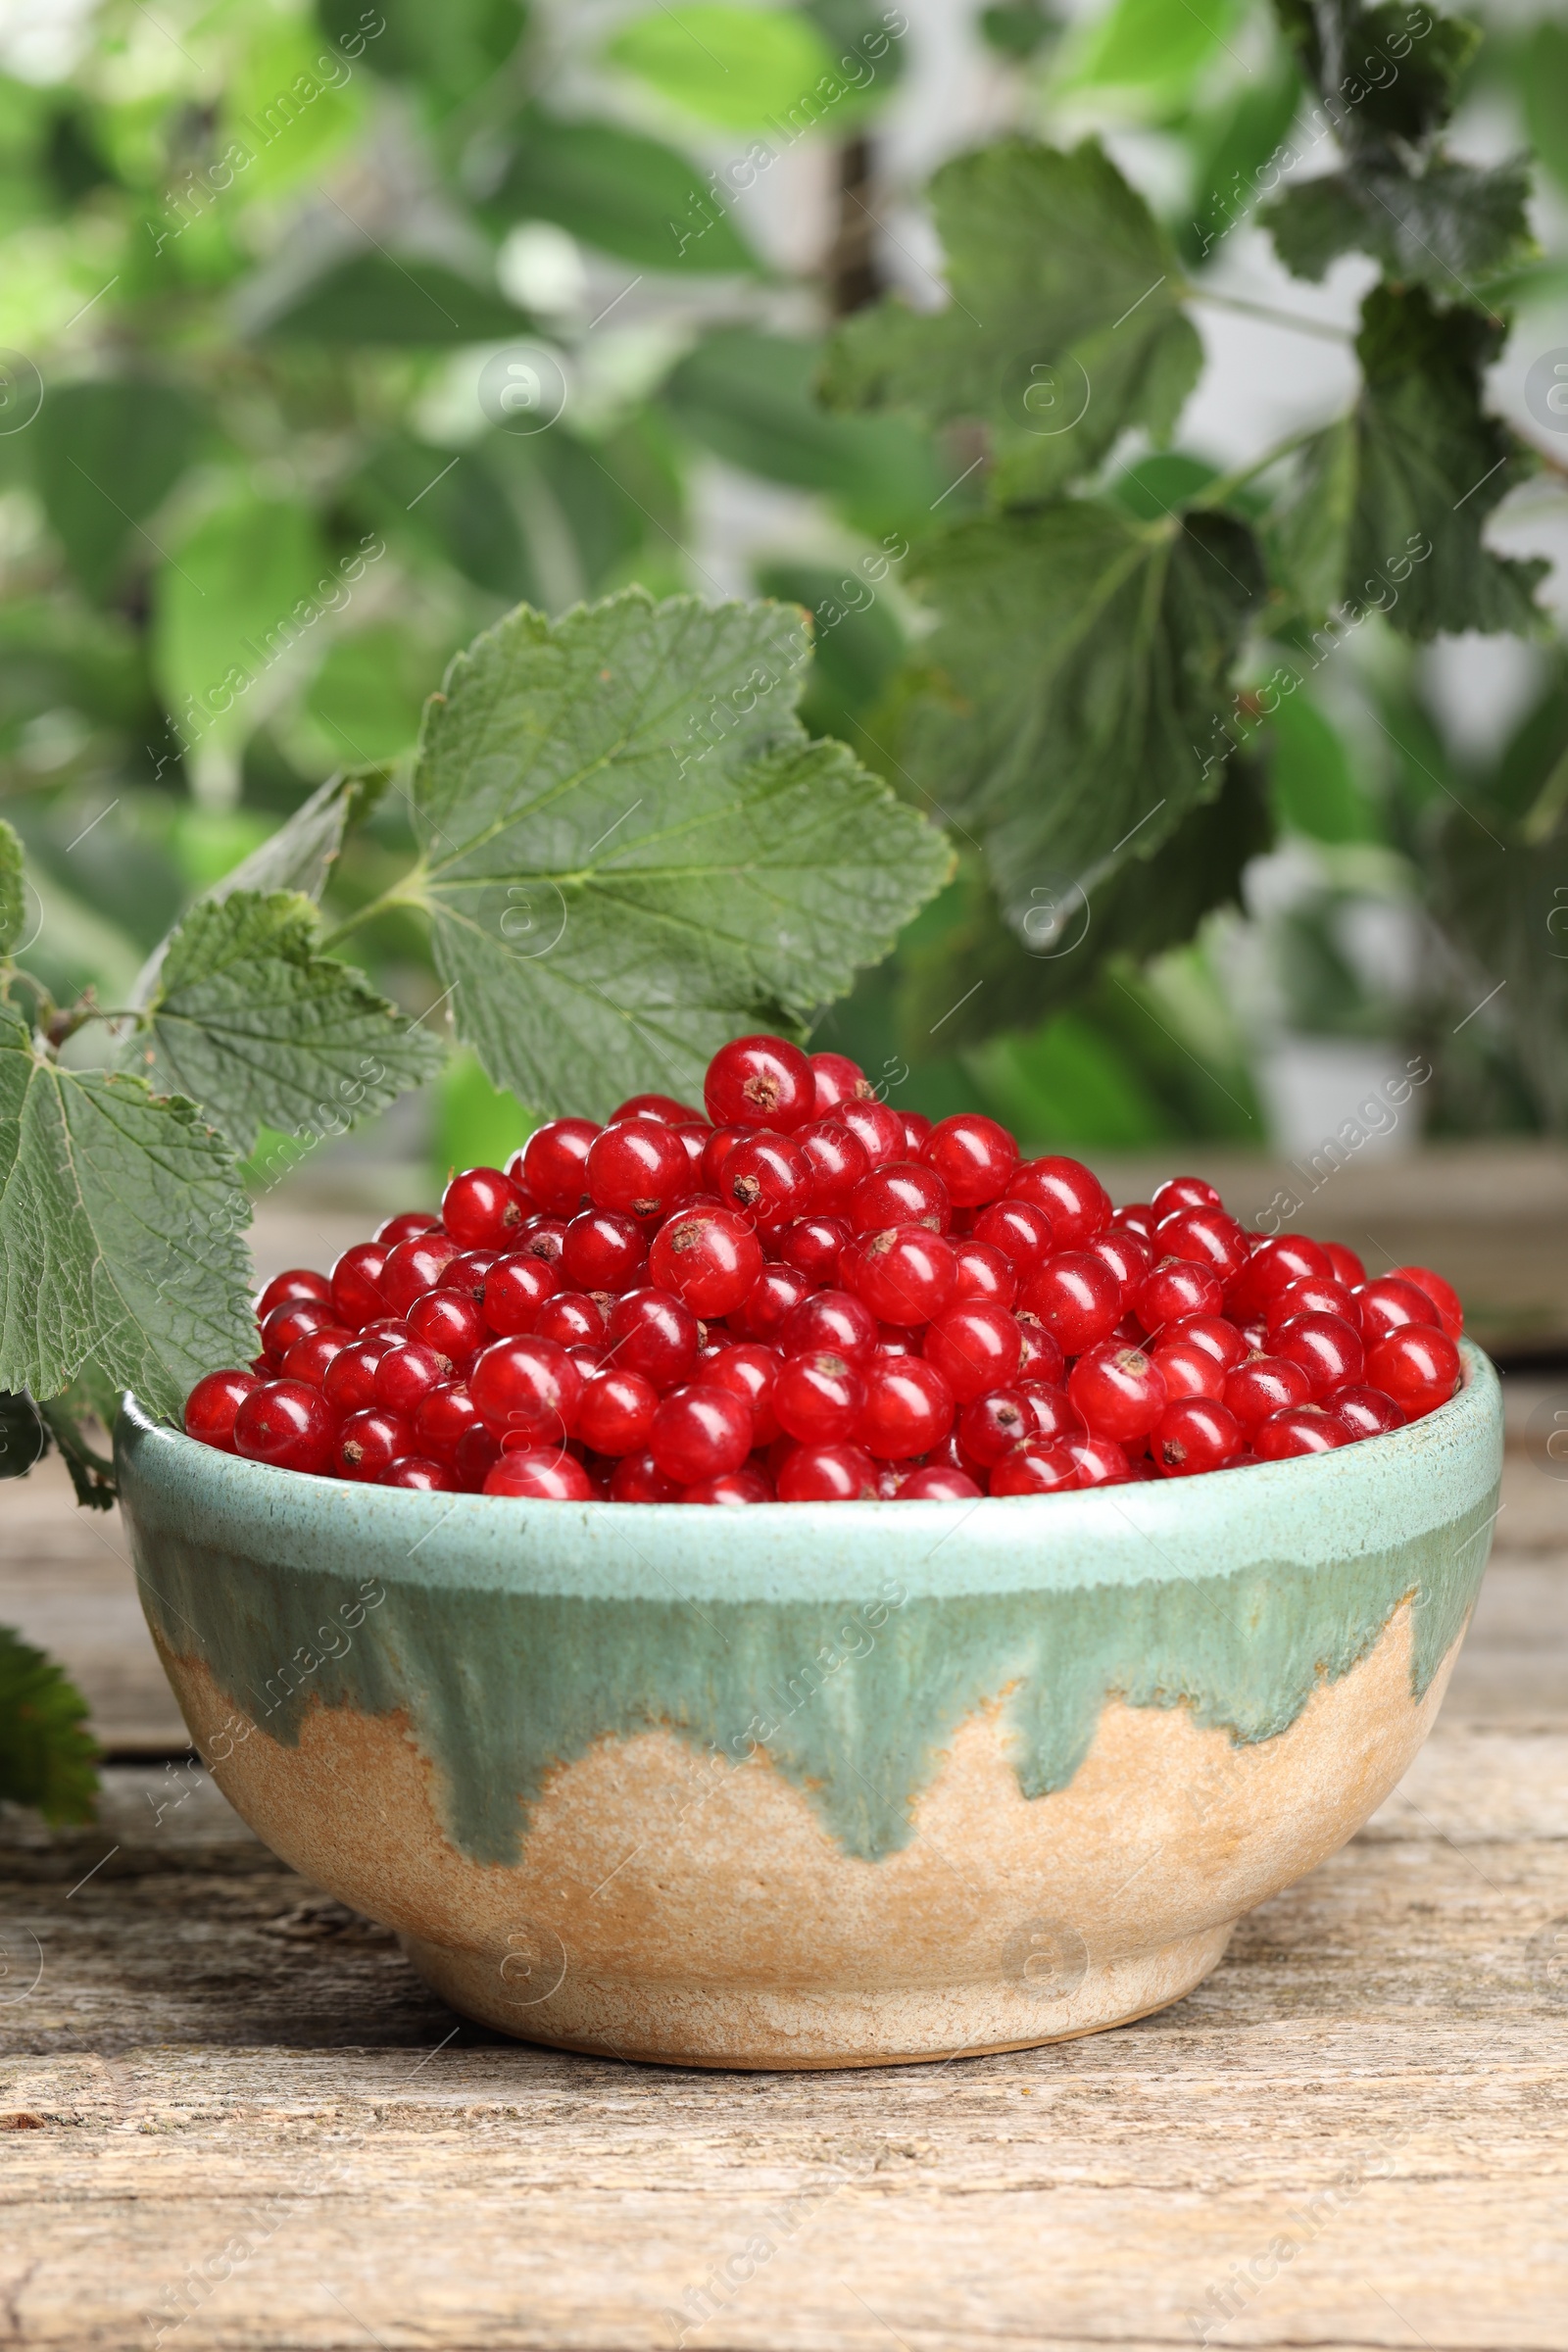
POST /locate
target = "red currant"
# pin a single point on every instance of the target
(694, 1135)
(1443, 1297)
(405, 1375)
(1034, 1468)
(908, 1408)
(423, 1476)
(349, 1381)
(827, 1474)
(1193, 1435)
(573, 1317)
(442, 1420)
(759, 1082)
(368, 1443)
(1183, 1192)
(1365, 1412)
(1281, 1259)
(654, 1333)
(1137, 1217)
(892, 1341)
(1020, 1229)
(286, 1424)
(975, 1347)
(1418, 1366)
(835, 1079)
(905, 1273)
(981, 1272)
(1313, 1294)
(707, 1257)
(877, 1128)
(1042, 1358)
(603, 1248)
(405, 1227)
(937, 1482)
(466, 1274)
(1077, 1298)
(538, 1474)
(837, 1161)
(415, 1266)
(1327, 1347)
(991, 1425)
(917, 1131)
(555, 1165)
(770, 1302)
(1390, 1305)
(476, 1456)
(452, 1325)
(292, 1290)
(1265, 1385)
(637, 1168)
(1128, 1258)
(663, 1107)
(768, 1179)
(1347, 1268)
(1209, 1237)
(1099, 1461)
(527, 1386)
(900, 1192)
(1187, 1367)
(357, 1295)
(834, 1320)
(1177, 1288)
(749, 1372)
(700, 1432)
(482, 1209)
(543, 1237)
(813, 1244)
(212, 1405)
(1216, 1334)
(720, 1143)
(636, 1478)
(515, 1290)
(742, 1485)
(616, 1412)
(973, 1156)
(816, 1399)
(292, 1321)
(1119, 1391)
(1297, 1429)
(1074, 1199)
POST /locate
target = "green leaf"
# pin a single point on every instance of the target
(747, 398)
(1148, 46)
(1543, 88)
(120, 1233)
(1446, 227)
(1064, 326)
(46, 1758)
(857, 642)
(1072, 688)
(1503, 907)
(735, 67)
(1231, 145)
(632, 852)
(452, 506)
(13, 903)
(1018, 29)
(1315, 788)
(1386, 73)
(235, 597)
(367, 695)
(625, 193)
(451, 52)
(253, 1024)
(376, 298)
(107, 455)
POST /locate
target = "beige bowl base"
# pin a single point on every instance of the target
(745, 2027)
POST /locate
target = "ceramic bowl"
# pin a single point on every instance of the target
(816, 1784)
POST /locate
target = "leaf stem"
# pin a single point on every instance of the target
(408, 892)
(1265, 309)
(1216, 493)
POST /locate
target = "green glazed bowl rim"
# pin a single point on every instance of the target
(1354, 1501)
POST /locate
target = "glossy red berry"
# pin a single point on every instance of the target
(654, 1333)
(835, 1320)
(1187, 1367)
(1193, 1435)
(700, 1432)
(827, 1474)
(1042, 1358)
(813, 1244)
(1077, 1298)
(1327, 1347)
(1034, 1468)
(1297, 1429)
(1176, 1287)
(1390, 1305)
(466, 1274)
(835, 1079)
(1136, 1217)
(1099, 1461)
(731, 1487)
(421, 1476)
(309, 1358)
(529, 1388)
(975, 1157)
(573, 1317)
(368, 1443)
(1209, 1237)
(482, 1209)
(1365, 1412)
(759, 1082)
(1184, 1192)
(452, 1325)
(694, 1135)
(837, 1161)
(442, 1420)
(349, 1381)
(768, 1180)
(543, 1237)
(287, 1424)
(1020, 1229)
(1215, 1333)
(1281, 1259)
(1442, 1295)
(936, 1482)
(291, 1321)
(292, 1289)
(212, 1405)
(617, 1411)
(1119, 1391)
(1071, 1196)
(909, 1408)
(357, 1295)
(816, 1399)
(708, 1257)
(475, 1456)
(515, 1290)
(917, 1130)
(540, 1474)
(1313, 1294)
(1418, 1366)
(637, 1168)
(877, 1128)
(1128, 1258)
(975, 1347)
(416, 1267)
(770, 1302)
(1052, 1412)
(1347, 1268)
(1265, 1385)
(991, 1425)
(637, 1478)
(663, 1107)
(405, 1375)
(900, 1192)
(604, 1249)
(555, 1165)
(905, 1273)
(404, 1227)
(981, 1272)
(749, 1372)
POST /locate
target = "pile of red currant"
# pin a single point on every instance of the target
(808, 1296)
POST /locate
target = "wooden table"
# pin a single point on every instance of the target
(238, 2120)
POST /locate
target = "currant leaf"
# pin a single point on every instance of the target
(1386, 73)
(120, 1232)
(1446, 227)
(10, 892)
(46, 1758)
(250, 1021)
(1064, 326)
(1068, 702)
(633, 849)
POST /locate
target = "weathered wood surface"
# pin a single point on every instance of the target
(236, 2119)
